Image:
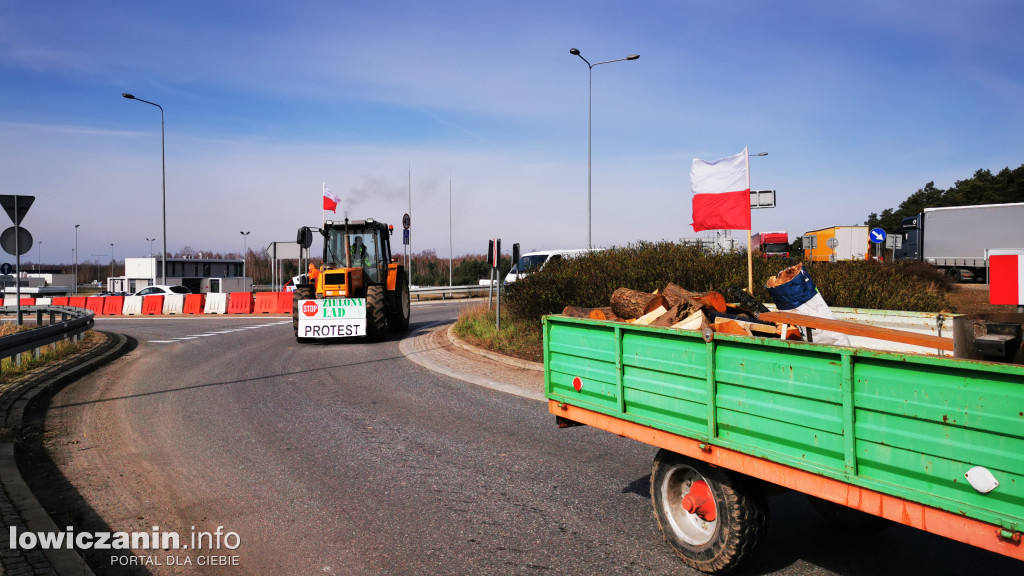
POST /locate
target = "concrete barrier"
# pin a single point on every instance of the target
(216, 304)
(194, 303)
(174, 303)
(132, 306)
(240, 303)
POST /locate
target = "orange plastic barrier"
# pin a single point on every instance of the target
(28, 301)
(284, 302)
(240, 303)
(153, 304)
(194, 304)
(95, 303)
(77, 301)
(60, 301)
(266, 303)
(113, 305)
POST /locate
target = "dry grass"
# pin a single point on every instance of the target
(518, 337)
(9, 367)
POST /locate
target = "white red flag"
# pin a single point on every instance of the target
(721, 193)
(330, 201)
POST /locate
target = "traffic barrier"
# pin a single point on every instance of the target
(266, 303)
(43, 301)
(284, 302)
(94, 303)
(132, 306)
(240, 303)
(194, 303)
(174, 303)
(153, 304)
(216, 303)
(113, 305)
(77, 301)
(60, 301)
(28, 301)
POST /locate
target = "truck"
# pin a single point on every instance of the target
(954, 239)
(839, 243)
(359, 290)
(933, 442)
(771, 243)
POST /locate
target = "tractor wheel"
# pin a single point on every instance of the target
(710, 517)
(302, 292)
(848, 518)
(398, 317)
(376, 320)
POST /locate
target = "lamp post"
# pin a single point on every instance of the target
(163, 164)
(39, 253)
(150, 240)
(76, 258)
(245, 252)
(111, 260)
(590, 108)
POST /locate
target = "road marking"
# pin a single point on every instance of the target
(206, 334)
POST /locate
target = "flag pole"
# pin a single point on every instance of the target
(323, 211)
(750, 254)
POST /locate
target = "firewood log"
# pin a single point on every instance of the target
(630, 304)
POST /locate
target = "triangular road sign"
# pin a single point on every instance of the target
(16, 206)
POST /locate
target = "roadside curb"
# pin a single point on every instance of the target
(511, 361)
(63, 562)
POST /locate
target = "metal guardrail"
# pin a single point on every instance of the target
(445, 291)
(73, 322)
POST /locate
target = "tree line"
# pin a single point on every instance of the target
(983, 188)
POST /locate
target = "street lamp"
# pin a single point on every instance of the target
(111, 260)
(245, 253)
(590, 100)
(150, 240)
(39, 253)
(76, 258)
(163, 164)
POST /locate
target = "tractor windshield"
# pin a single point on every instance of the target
(363, 250)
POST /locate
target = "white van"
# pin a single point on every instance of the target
(534, 261)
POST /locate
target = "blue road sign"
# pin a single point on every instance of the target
(877, 235)
(405, 236)
(6, 268)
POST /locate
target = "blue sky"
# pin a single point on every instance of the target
(857, 104)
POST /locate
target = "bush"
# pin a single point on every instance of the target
(589, 281)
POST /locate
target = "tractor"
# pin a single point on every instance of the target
(359, 290)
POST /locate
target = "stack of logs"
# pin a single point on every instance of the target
(675, 307)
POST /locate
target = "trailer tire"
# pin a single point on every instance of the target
(302, 292)
(398, 318)
(376, 319)
(853, 520)
(718, 545)
(954, 275)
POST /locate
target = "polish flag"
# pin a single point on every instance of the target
(330, 201)
(1006, 279)
(721, 193)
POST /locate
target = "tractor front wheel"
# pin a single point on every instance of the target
(398, 318)
(376, 320)
(302, 292)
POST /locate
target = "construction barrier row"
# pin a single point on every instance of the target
(233, 303)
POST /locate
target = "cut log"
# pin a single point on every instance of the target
(712, 300)
(630, 304)
(694, 321)
(592, 313)
(785, 276)
(676, 296)
(731, 327)
(668, 318)
(751, 327)
(651, 316)
(855, 329)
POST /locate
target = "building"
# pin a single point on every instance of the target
(200, 275)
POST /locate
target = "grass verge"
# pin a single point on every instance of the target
(518, 337)
(9, 367)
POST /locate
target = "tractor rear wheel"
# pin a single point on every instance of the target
(302, 292)
(710, 517)
(376, 320)
(398, 317)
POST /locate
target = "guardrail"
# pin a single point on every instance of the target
(73, 323)
(447, 291)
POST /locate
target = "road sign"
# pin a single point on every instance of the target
(16, 206)
(24, 243)
(406, 221)
(405, 236)
(762, 198)
(832, 242)
(877, 235)
(6, 268)
(809, 242)
(893, 242)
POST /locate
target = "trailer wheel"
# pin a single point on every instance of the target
(954, 275)
(302, 292)
(398, 319)
(376, 320)
(848, 518)
(710, 517)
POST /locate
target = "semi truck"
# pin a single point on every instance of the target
(771, 243)
(954, 239)
(932, 442)
(839, 243)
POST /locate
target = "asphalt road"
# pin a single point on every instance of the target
(348, 458)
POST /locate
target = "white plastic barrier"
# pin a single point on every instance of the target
(132, 306)
(43, 301)
(174, 303)
(10, 300)
(216, 304)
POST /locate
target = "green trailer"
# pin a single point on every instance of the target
(932, 442)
